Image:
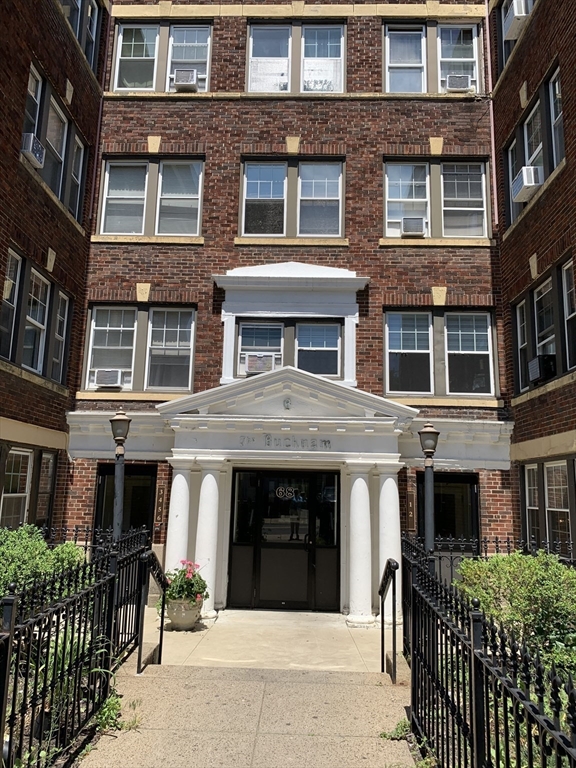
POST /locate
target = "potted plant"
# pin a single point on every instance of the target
(185, 595)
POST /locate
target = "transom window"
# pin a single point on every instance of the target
(140, 349)
(267, 188)
(152, 198)
(306, 58)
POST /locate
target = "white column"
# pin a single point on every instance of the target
(360, 549)
(389, 535)
(178, 517)
(207, 533)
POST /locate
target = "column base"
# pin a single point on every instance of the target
(359, 621)
(212, 614)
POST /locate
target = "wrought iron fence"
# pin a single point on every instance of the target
(61, 640)
(478, 698)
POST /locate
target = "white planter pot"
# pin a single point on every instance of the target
(183, 613)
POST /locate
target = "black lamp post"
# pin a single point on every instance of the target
(428, 441)
(120, 425)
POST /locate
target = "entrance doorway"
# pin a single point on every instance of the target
(139, 495)
(284, 549)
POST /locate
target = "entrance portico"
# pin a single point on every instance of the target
(287, 419)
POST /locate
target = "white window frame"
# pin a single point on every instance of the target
(34, 75)
(89, 369)
(548, 507)
(149, 348)
(78, 5)
(338, 347)
(489, 353)
(77, 179)
(513, 170)
(121, 29)
(251, 57)
(522, 342)
(569, 297)
(389, 232)
(241, 366)
(187, 197)
(16, 289)
(26, 494)
(551, 338)
(35, 323)
(539, 151)
(448, 208)
(474, 80)
(205, 78)
(406, 29)
(51, 148)
(300, 199)
(557, 120)
(91, 31)
(388, 350)
(531, 468)
(245, 198)
(117, 163)
(340, 58)
(60, 331)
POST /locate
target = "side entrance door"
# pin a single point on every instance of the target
(284, 550)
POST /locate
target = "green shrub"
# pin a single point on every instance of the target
(25, 557)
(532, 596)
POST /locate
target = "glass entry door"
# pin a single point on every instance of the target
(284, 549)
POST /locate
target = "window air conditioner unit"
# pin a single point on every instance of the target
(186, 80)
(413, 226)
(33, 150)
(542, 368)
(108, 377)
(458, 83)
(259, 362)
(515, 19)
(526, 182)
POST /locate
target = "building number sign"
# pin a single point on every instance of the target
(285, 492)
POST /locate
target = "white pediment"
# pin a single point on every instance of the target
(291, 394)
(291, 273)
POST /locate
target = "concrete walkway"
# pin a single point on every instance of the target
(259, 689)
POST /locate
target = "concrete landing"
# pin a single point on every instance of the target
(260, 690)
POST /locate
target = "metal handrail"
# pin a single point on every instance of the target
(388, 578)
(150, 566)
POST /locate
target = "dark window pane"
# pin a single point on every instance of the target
(169, 368)
(319, 217)
(264, 217)
(6, 325)
(409, 372)
(318, 360)
(571, 333)
(453, 509)
(469, 373)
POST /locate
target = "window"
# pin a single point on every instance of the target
(405, 52)
(83, 17)
(457, 52)
(313, 347)
(456, 508)
(533, 138)
(8, 306)
(137, 58)
(448, 50)
(148, 56)
(406, 195)
(318, 348)
(273, 67)
(152, 198)
(532, 504)
(64, 157)
(569, 313)
(514, 164)
(436, 200)
(34, 320)
(461, 363)
(468, 353)
(557, 508)
(169, 349)
(409, 352)
(522, 345)
(267, 187)
(164, 359)
(544, 314)
(189, 49)
(556, 116)
(511, 24)
(16, 491)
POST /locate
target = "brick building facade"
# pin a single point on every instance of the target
(535, 123)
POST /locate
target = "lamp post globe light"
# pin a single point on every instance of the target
(428, 440)
(120, 425)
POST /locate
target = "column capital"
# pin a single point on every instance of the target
(388, 468)
(180, 464)
(359, 467)
(211, 463)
